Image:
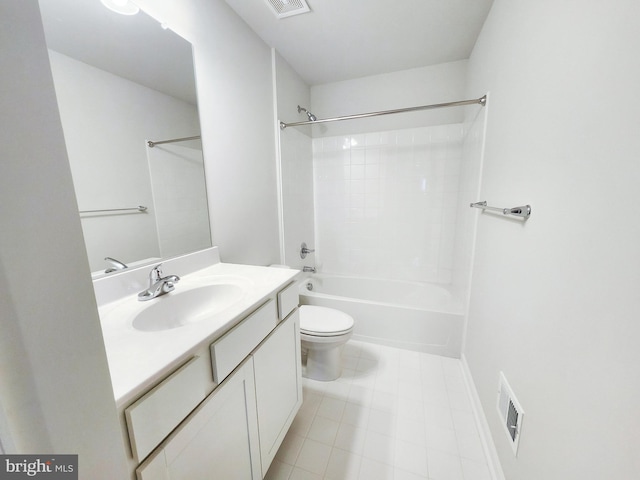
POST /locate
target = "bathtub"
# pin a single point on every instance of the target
(411, 315)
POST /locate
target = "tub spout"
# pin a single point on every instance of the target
(309, 269)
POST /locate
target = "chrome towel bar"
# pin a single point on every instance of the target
(139, 208)
(523, 211)
(151, 143)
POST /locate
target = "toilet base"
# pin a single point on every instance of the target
(324, 362)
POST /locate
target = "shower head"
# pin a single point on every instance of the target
(311, 116)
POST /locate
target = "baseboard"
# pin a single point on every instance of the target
(483, 426)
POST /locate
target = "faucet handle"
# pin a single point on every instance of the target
(155, 274)
(304, 251)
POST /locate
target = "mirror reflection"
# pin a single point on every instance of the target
(124, 81)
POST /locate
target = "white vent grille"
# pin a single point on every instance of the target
(287, 8)
(511, 413)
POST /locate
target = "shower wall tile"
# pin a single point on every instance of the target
(386, 202)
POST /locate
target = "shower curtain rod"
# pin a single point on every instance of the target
(480, 101)
(152, 144)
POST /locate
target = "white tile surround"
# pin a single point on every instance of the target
(385, 202)
(393, 414)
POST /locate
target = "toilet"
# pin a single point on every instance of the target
(323, 332)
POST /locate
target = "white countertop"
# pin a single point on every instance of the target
(138, 359)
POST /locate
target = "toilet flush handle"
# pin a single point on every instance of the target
(304, 250)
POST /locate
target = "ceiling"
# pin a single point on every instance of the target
(341, 40)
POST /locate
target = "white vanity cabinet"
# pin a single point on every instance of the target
(235, 432)
(277, 373)
(219, 440)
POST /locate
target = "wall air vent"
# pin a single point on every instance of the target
(287, 8)
(511, 413)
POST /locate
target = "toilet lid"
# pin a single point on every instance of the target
(323, 321)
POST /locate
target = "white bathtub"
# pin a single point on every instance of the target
(416, 316)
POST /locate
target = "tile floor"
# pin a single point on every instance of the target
(393, 415)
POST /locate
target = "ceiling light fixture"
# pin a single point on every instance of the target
(123, 7)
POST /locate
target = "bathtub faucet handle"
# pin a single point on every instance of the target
(304, 251)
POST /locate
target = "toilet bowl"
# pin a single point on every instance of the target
(323, 332)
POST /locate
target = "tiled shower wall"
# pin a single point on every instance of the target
(385, 203)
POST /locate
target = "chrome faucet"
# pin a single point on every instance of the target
(158, 285)
(304, 251)
(309, 269)
(116, 265)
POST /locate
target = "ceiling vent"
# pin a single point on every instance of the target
(510, 412)
(288, 8)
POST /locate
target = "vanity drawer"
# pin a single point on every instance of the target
(287, 300)
(151, 418)
(231, 349)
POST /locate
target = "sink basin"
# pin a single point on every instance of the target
(184, 307)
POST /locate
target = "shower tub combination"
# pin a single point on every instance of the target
(416, 316)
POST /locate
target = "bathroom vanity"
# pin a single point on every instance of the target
(204, 395)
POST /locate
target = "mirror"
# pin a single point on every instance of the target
(122, 81)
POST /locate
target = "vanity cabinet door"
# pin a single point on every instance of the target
(278, 381)
(219, 440)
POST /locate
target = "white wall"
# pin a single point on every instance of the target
(407, 88)
(296, 165)
(554, 301)
(235, 98)
(55, 389)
